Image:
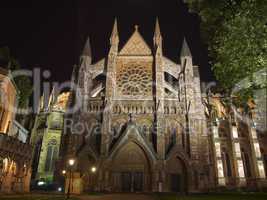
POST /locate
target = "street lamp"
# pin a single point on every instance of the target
(71, 162)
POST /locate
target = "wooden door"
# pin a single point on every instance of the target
(126, 181)
(176, 183)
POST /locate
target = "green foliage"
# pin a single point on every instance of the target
(25, 88)
(23, 83)
(236, 34)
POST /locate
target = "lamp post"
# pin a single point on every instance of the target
(64, 175)
(92, 172)
(71, 162)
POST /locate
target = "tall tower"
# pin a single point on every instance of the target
(85, 80)
(186, 90)
(46, 137)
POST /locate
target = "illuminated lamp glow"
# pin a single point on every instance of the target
(71, 162)
(41, 183)
(93, 169)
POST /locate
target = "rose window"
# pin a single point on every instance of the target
(134, 81)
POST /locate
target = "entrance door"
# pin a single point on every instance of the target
(138, 181)
(126, 181)
(176, 182)
(132, 181)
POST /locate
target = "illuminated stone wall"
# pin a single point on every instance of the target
(46, 138)
(15, 154)
(236, 136)
(8, 101)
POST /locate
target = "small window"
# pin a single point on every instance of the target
(51, 156)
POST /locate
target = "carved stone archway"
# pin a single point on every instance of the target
(178, 172)
(130, 169)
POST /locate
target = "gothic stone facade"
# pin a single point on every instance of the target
(147, 124)
(15, 155)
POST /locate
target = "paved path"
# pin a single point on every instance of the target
(118, 197)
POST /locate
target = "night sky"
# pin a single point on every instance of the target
(51, 34)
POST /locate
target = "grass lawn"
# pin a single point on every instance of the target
(230, 196)
(224, 196)
(35, 197)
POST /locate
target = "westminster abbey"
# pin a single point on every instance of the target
(145, 125)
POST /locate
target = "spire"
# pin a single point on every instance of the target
(52, 97)
(114, 39)
(74, 75)
(87, 49)
(86, 56)
(157, 34)
(185, 52)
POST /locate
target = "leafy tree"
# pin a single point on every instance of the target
(23, 83)
(236, 34)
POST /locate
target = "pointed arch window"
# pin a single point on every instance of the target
(171, 140)
(173, 136)
(226, 163)
(51, 156)
(242, 130)
(246, 163)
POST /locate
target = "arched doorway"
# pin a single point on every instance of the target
(130, 169)
(177, 179)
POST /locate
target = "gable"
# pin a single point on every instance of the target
(136, 45)
(132, 134)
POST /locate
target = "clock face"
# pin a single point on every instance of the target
(134, 79)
